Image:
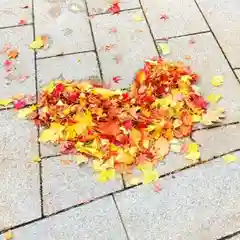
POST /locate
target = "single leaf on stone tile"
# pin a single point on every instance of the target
(22, 22)
(213, 116)
(138, 18)
(150, 176)
(214, 98)
(36, 159)
(106, 175)
(116, 79)
(66, 162)
(164, 48)
(132, 180)
(230, 158)
(157, 187)
(164, 17)
(217, 81)
(76, 8)
(193, 152)
(37, 44)
(114, 9)
(5, 102)
(8, 235)
(13, 54)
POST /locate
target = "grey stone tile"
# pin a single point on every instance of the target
(238, 73)
(225, 14)
(17, 38)
(183, 17)
(19, 188)
(200, 203)
(237, 237)
(132, 43)
(208, 61)
(12, 12)
(67, 185)
(97, 220)
(101, 6)
(217, 141)
(68, 31)
(76, 67)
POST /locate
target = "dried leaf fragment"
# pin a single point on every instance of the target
(214, 98)
(8, 235)
(164, 48)
(230, 158)
(37, 44)
(36, 159)
(213, 116)
(13, 54)
(5, 102)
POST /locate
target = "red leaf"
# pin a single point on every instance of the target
(22, 22)
(116, 79)
(164, 17)
(18, 104)
(127, 124)
(199, 101)
(114, 9)
(157, 187)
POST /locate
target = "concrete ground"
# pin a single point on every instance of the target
(52, 201)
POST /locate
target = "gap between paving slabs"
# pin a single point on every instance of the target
(126, 130)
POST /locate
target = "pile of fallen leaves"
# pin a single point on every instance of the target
(119, 130)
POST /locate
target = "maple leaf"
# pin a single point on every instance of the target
(157, 187)
(125, 157)
(230, 158)
(138, 18)
(37, 44)
(164, 17)
(36, 159)
(193, 152)
(140, 77)
(23, 113)
(164, 48)
(115, 8)
(18, 104)
(214, 98)
(135, 136)
(105, 93)
(116, 79)
(162, 147)
(217, 81)
(213, 116)
(22, 22)
(13, 54)
(106, 175)
(110, 127)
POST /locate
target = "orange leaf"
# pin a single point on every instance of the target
(162, 147)
(140, 77)
(109, 128)
(13, 54)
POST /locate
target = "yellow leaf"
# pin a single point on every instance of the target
(37, 44)
(193, 147)
(133, 180)
(5, 102)
(162, 147)
(193, 156)
(230, 158)
(97, 165)
(150, 176)
(23, 113)
(164, 48)
(213, 116)
(106, 175)
(8, 235)
(135, 136)
(105, 93)
(52, 134)
(125, 157)
(214, 98)
(36, 159)
(50, 87)
(138, 18)
(217, 81)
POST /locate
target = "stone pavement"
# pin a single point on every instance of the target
(52, 201)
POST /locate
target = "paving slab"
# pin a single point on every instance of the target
(207, 60)
(225, 14)
(59, 20)
(65, 185)
(17, 75)
(102, 6)
(237, 237)
(183, 17)
(19, 188)
(200, 203)
(218, 141)
(129, 46)
(12, 12)
(75, 67)
(238, 73)
(97, 220)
